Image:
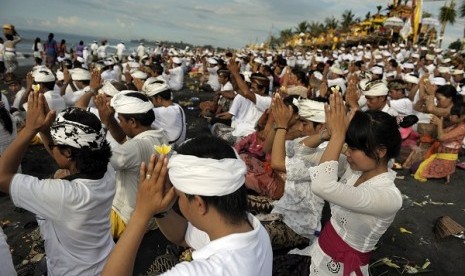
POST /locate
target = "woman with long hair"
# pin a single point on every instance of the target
(38, 48)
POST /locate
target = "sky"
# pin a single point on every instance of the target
(232, 23)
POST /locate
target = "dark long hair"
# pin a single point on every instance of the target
(5, 120)
(370, 130)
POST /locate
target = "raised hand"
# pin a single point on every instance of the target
(282, 113)
(154, 195)
(106, 112)
(38, 116)
(95, 79)
(337, 120)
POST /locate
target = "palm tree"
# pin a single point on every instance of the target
(446, 15)
(347, 20)
(302, 27)
(316, 28)
(285, 35)
(462, 14)
(379, 9)
(331, 23)
(368, 15)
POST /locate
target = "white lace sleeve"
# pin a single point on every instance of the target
(379, 197)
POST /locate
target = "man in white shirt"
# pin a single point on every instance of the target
(45, 80)
(175, 74)
(136, 139)
(213, 200)
(169, 116)
(247, 106)
(140, 50)
(120, 47)
(80, 79)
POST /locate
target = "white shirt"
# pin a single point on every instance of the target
(244, 254)
(74, 220)
(389, 110)
(120, 49)
(213, 78)
(173, 121)
(19, 95)
(126, 159)
(55, 101)
(140, 51)
(246, 113)
(300, 207)
(360, 215)
(176, 78)
(109, 74)
(403, 106)
(102, 51)
(4, 99)
(6, 262)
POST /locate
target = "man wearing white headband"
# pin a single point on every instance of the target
(43, 81)
(246, 108)
(175, 74)
(136, 139)
(73, 210)
(169, 116)
(208, 177)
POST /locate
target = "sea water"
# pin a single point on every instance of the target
(24, 49)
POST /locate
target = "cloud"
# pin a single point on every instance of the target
(125, 23)
(70, 21)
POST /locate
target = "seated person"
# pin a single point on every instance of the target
(208, 179)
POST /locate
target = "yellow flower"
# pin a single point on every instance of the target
(163, 149)
(36, 87)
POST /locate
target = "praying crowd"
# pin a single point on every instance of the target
(289, 130)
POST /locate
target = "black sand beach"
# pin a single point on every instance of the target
(409, 241)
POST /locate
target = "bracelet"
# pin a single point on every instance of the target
(161, 215)
(276, 128)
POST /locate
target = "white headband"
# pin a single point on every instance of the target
(311, 110)
(108, 89)
(74, 134)
(130, 105)
(206, 176)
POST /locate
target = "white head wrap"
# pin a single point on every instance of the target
(43, 75)
(108, 89)
(376, 88)
(154, 87)
(129, 105)
(411, 78)
(74, 134)
(80, 74)
(206, 176)
(137, 74)
(311, 110)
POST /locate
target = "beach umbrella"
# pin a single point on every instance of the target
(394, 22)
(430, 21)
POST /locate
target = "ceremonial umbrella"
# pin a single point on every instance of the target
(394, 22)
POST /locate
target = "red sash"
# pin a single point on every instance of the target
(340, 251)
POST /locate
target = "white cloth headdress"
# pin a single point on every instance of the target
(108, 89)
(311, 110)
(74, 134)
(206, 176)
(124, 104)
